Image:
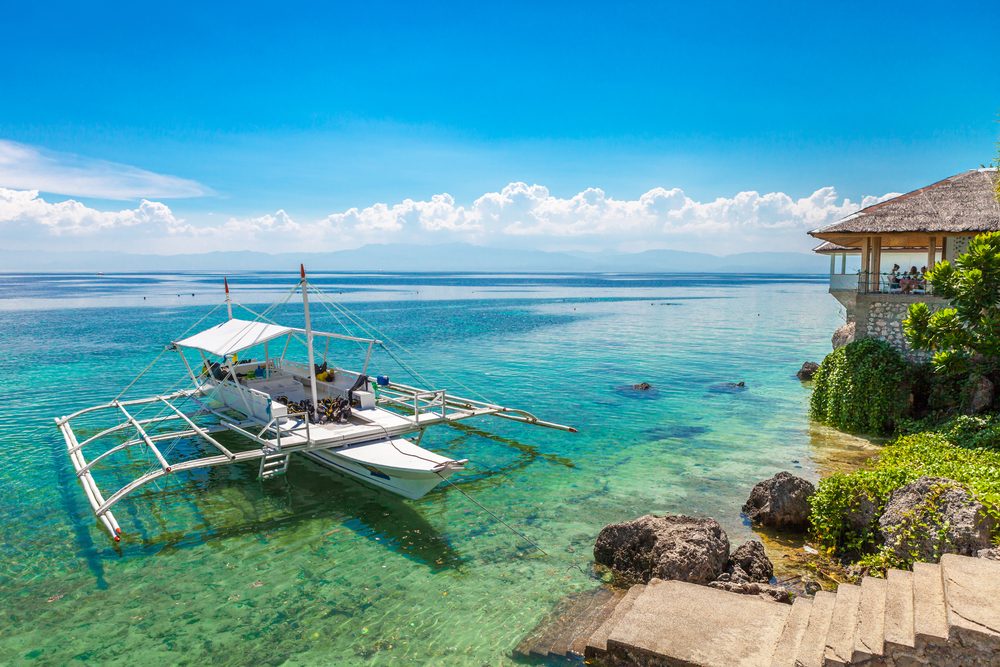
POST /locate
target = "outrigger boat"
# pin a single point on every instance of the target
(264, 411)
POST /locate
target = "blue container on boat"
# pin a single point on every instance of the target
(382, 380)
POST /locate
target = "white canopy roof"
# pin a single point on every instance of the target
(232, 336)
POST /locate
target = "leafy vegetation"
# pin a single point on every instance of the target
(846, 507)
(864, 386)
(861, 387)
(968, 330)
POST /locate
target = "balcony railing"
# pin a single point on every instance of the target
(882, 283)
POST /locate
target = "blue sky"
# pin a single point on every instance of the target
(280, 118)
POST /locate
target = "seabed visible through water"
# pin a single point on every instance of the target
(316, 569)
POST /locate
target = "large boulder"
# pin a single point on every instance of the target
(807, 371)
(933, 516)
(780, 502)
(666, 547)
(844, 335)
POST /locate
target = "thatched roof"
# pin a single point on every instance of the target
(828, 247)
(965, 202)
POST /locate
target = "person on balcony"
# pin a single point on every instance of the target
(894, 279)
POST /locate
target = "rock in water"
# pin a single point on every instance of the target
(642, 386)
(780, 502)
(750, 563)
(807, 371)
(933, 516)
(667, 547)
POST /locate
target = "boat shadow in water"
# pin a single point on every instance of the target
(71, 502)
(308, 494)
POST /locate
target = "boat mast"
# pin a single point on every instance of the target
(309, 339)
(229, 301)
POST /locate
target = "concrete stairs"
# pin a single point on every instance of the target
(565, 632)
(939, 614)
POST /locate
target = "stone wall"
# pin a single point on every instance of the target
(885, 322)
(881, 316)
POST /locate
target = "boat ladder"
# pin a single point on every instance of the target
(273, 463)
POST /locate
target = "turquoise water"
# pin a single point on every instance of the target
(316, 569)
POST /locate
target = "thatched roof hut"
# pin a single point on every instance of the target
(961, 205)
(938, 219)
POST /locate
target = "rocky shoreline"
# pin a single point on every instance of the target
(923, 520)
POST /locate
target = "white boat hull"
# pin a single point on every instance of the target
(397, 465)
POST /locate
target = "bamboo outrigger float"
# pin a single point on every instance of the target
(265, 411)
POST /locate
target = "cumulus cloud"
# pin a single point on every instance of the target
(70, 217)
(242, 228)
(26, 167)
(517, 215)
(657, 218)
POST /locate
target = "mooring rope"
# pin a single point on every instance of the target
(372, 331)
(494, 515)
(162, 352)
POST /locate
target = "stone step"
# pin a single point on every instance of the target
(577, 643)
(843, 624)
(869, 638)
(791, 635)
(677, 623)
(930, 619)
(597, 644)
(813, 644)
(899, 608)
(972, 600)
(554, 626)
(556, 642)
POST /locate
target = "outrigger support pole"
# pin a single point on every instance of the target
(309, 340)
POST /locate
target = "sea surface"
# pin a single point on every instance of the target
(217, 567)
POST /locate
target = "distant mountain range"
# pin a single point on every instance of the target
(444, 257)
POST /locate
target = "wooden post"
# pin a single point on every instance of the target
(865, 264)
(876, 281)
(843, 263)
(833, 264)
(931, 252)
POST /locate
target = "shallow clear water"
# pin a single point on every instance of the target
(313, 568)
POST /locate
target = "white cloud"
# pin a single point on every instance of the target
(26, 208)
(242, 228)
(518, 215)
(658, 218)
(24, 167)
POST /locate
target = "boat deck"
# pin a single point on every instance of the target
(362, 425)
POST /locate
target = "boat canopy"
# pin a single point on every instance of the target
(233, 336)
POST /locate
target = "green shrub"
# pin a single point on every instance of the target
(861, 388)
(965, 449)
(969, 431)
(846, 507)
